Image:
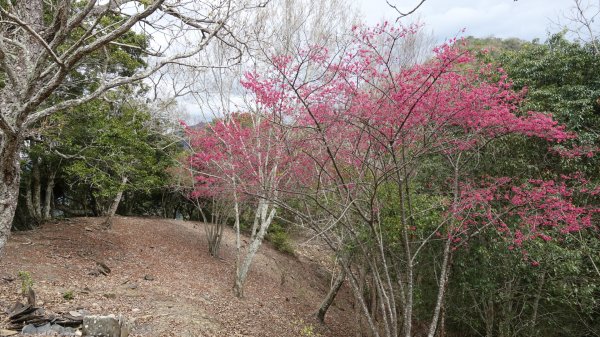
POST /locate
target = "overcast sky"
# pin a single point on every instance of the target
(525, 19)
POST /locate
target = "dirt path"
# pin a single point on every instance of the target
(188, 294)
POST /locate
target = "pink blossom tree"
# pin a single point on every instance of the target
(364, 123)
(242, 159)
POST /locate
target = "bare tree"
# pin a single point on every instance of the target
(42, 43)
(582, 18)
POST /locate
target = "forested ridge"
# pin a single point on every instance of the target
(449, 189)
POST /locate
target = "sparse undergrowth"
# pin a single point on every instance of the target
(190, 294)
(280, 239)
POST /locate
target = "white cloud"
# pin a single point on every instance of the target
(525, 19)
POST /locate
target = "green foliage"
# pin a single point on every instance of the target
(280, 239)
(68, 295)
(26, 281)
(494, 45)
(542, 288)
(91, 148)
(551, 290)
(560, 77)
(107, 141)
(307, 329)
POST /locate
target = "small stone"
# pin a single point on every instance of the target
(136, 310)
(29, 329)
(149, 278)
(110, 296)
(8, 278)
(133, 286)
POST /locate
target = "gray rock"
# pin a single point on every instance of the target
(68, 331)
(29, 329)
(45, 329)
(105, 326)
(57, 329)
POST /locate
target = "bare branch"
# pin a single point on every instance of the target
(5, 126)
(7, 68)
(404, 14)
(131, 46)
(33, 33)
(33, 118)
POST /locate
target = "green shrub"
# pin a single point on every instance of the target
(26, 281)
(68, 295)
(306, 329)
(280, 239)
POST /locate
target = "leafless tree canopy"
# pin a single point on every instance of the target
(582, 21)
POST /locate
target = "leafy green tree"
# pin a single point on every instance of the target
(550, 288)
(563, 78)
(108, 148)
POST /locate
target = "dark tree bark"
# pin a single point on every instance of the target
(328, 300)
(36, 190)
(9, 183)
(48, 196)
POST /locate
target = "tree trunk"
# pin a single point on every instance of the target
(214, 234)
(10, 171)
(32, 12)
(441, 332)
(47, 207)
(36, 188)
(445, 272)
(337, 284)
(238, 288)
(489, 318)
(361, 306)
(536, 304)
(242, 271)
(443, 281)
(29, 199)
(115, 204)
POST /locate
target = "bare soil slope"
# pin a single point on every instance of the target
(163, 279)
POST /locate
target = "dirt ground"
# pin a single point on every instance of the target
(163, 279)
